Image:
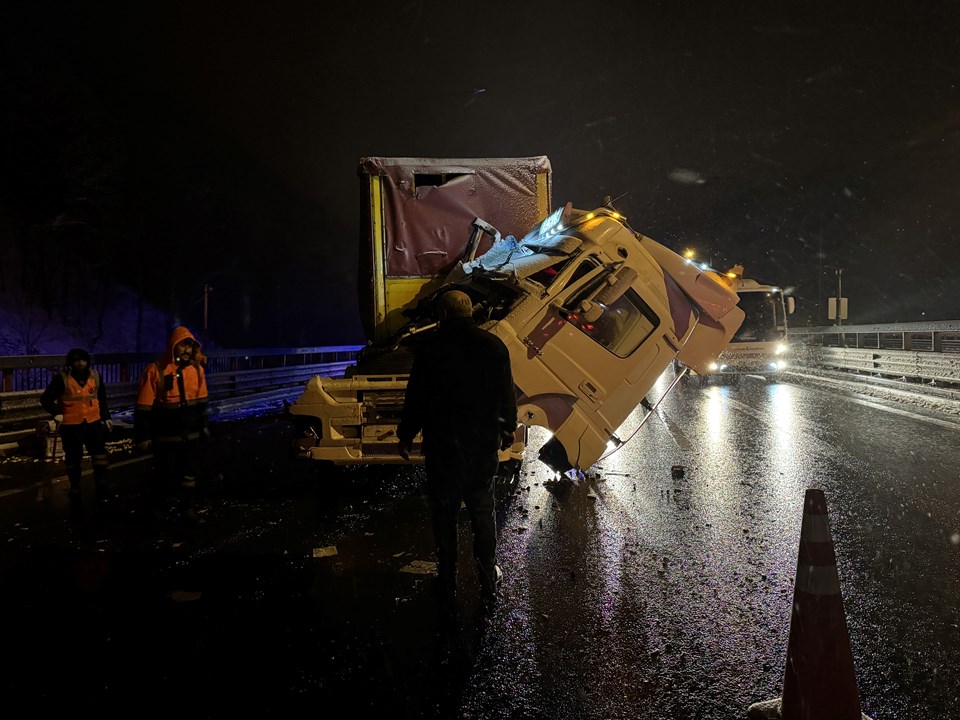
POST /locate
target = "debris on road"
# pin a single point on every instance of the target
(420, 567)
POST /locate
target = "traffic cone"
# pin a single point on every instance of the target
(819, 682)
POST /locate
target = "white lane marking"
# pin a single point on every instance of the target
(34, 486)
(859, 400)
(63, 478)
(766, 416)
(870, 402)
(682, 441)
(906, 413)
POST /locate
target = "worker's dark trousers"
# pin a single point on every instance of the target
(449, 483)
(75, 438)
(175, 471)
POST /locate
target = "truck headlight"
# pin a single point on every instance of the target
(781, 349)
(712, 366)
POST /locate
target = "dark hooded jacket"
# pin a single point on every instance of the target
(460, 394)
(172, 400)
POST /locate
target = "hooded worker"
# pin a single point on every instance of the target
(171, 417)
(77, 400)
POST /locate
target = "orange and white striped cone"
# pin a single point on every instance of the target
(819, 682)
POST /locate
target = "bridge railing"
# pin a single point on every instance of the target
(927, 352)
(923, 351)
(230, 373)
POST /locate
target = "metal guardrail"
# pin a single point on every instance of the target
(230, 373)
(927, 352)
(34, 372)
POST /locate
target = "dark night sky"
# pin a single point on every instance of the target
(218, 142)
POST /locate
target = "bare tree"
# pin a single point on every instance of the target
(30, 325)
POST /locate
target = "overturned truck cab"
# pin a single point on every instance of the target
(592, 313)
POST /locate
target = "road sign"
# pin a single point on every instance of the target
(832, 308)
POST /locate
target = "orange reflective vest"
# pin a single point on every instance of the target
(160, 386)
(80, 403)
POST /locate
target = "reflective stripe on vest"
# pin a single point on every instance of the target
(80, 402)
(185, 387)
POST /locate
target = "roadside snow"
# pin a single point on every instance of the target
(925, 397)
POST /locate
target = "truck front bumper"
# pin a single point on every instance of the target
(381, 455)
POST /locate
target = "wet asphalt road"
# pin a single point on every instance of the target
(627, 594)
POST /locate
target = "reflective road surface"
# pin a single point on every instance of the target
(634, 592)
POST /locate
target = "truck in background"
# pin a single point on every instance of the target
(759, 346)
(591, 311)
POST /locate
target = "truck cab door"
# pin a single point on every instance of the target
(592, 336)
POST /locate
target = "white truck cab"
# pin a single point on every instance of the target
(592, 313)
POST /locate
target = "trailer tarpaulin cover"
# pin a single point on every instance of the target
(429, 205)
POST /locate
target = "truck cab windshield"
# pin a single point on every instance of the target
(765, 320)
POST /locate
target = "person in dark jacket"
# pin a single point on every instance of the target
(171, 418)
(461, 396)
(77, 399)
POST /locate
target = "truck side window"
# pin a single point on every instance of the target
(584, 269)
(546, 276)
(623, 327)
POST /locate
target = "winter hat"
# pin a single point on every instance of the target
(77, 354)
